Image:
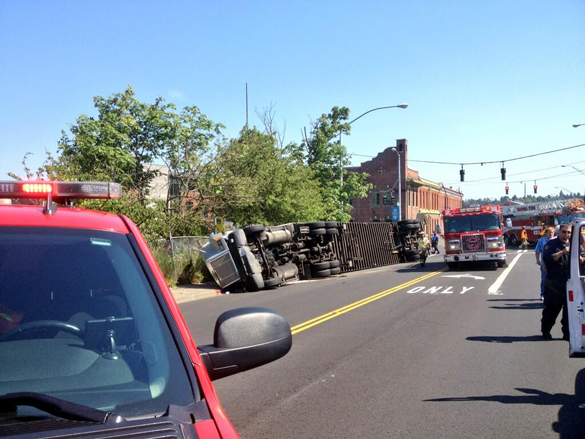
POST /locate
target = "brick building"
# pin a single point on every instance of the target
(422, 199)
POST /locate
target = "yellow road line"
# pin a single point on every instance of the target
(336, 313)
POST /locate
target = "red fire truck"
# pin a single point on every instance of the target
(474, 234)
(536, 216)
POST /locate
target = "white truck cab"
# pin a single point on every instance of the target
(576, 290)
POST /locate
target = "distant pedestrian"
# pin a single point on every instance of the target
(435, 243)
(549, 233)
(556, 260)
(523, 238)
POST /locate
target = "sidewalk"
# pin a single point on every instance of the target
(187, 293)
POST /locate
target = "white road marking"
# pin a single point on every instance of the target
(495, 287)
(437, 290)
(464, 275)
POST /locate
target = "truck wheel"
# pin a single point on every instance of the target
(317, 266)
(501, 263)
(322, 273)
(331, 231)
(317, 232)
(405, 222)
(334, 263)
(317, 225)
(506, 240)
(514, 240)
(410, 226)
(272, 282)
(330, 224)
(335, 270)
(252, 230)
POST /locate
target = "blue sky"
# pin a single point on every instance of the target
(485, 80)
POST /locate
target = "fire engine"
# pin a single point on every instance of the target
(536, 216)
(474, 234)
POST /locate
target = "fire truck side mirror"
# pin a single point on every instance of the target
(508, 223)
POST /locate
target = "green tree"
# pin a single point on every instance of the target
(262, 182)
(328, 159)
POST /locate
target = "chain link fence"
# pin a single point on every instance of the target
(180, 260)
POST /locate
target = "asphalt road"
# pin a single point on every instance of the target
(421, 352)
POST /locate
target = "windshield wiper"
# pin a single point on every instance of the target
(56, 407)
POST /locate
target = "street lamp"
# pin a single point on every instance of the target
(403, 106)
(574, 167)
(576, 125)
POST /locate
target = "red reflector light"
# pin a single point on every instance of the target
(583, 329)
(570, 295)
(37, 188)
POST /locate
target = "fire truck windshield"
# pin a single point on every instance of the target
(468, 223)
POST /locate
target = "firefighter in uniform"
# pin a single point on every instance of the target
(423, 248)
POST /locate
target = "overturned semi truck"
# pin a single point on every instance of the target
(258, 257)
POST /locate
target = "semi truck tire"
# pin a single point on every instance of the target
(322, 273)
(332, 232)
(317, 232)
(330, 224)
(335, 270)
(317, 225)
(334, 263)
(253, 229)
(317, 266)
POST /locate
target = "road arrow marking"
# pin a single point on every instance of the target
(494, 289)
(466, 275)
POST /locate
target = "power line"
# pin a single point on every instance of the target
(518, 181)
(522, 173)
(499, 161)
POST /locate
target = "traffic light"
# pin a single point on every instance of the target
(462, 175)
(535, 188)
(507, 189)
(385, 198)
(392, 198)
(503, 171)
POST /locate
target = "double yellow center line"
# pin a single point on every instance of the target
(336, 313)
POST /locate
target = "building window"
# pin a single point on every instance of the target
(376, 198)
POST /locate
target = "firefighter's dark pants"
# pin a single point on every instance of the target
(555, 300)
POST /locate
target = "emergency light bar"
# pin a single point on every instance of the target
(60, 189)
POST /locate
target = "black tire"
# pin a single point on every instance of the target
(513, 240)
(334, 263)
(413, 258)
(317, 266)
(317, 225)
(272, 282)
(452, 265)
(506, 240)
(253, 229)
(330, 224)
(411, 226)
(335, 270)
(501, 263)
(405, 222)
(317, 232)
(322, 273)
(331, 232)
